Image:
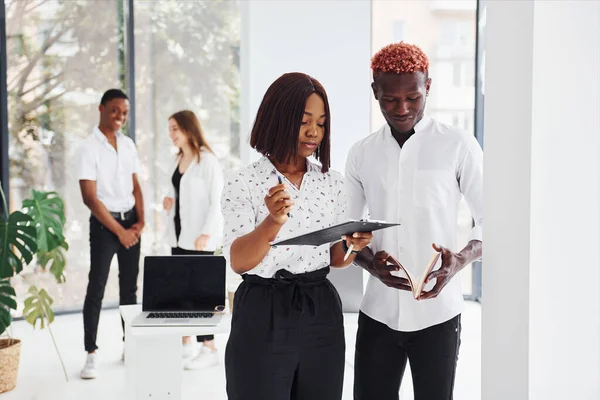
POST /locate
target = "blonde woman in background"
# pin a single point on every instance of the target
(195, 224)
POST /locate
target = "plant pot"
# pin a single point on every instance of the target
(10, 354)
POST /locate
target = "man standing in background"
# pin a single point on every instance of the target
(107, 170)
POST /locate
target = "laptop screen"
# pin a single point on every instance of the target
(183, 283)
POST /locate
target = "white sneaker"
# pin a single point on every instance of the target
(188, 350)
(206, 359)
(90, 370)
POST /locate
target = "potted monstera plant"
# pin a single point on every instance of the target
(33, 233)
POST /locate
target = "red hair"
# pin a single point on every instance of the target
(400, 58)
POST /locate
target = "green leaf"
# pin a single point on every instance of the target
(47, 211)
(5, 320)
(7, 302)
(38, 306)
(16, 234)
(57, 260)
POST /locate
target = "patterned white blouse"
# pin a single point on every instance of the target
(320, 203)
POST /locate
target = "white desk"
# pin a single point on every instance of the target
(153, 364)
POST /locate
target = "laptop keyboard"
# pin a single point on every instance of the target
(180, 315)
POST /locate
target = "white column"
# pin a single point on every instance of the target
(329, 40)
(541, 301)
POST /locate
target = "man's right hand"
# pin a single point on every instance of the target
(168, 203)
(380, 269)
(129, 237)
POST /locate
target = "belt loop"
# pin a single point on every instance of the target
(122, 216)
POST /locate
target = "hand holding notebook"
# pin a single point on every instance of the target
(417, 283)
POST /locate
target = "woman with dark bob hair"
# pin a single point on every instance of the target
(287, 333)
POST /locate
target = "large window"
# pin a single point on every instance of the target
(61, 57)
(445, 30)
(186, 57)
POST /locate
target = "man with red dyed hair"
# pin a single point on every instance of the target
(413, 170)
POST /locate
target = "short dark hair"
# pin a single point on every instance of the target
(279, 118)
(112, 94)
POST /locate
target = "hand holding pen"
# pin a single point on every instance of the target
(355, 243)
(279, 203)
(280, 180)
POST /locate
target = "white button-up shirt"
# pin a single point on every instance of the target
(420, 186)
(320, 203)
(111, 169)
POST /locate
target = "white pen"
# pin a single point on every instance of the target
(349, 251)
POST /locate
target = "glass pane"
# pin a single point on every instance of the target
(61, 57)
(445, 30)
(186, 57)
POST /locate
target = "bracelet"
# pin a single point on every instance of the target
(345, 247)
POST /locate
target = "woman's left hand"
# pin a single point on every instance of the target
(201, 242)
(358, 240)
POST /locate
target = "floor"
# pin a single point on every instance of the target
(41, 376)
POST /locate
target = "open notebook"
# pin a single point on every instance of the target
(417, 283)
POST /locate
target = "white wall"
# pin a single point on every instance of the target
(541, 305)
(329, 40)
(565, 217)
(507, 127)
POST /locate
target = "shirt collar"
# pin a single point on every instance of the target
(99, 135)
(264, 166)
(421, 126)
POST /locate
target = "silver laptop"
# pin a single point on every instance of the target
(182, 291)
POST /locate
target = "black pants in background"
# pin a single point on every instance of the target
(287, 339)
(178, 251)
(103, 246)
(381, 355)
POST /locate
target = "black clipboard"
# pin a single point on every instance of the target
(333, 233)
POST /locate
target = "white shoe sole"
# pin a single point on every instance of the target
(189, 366)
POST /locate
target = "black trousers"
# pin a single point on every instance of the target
(178, 251)
(103, 246)
(287, 339)
(381, 355)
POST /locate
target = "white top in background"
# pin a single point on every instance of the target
(199, 203)
(111, 169)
